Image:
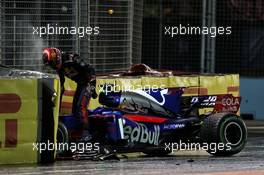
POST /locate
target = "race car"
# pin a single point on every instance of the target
(154, 121)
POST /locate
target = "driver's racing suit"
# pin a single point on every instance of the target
(83, 74)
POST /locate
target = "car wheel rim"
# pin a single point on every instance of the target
(233, 133)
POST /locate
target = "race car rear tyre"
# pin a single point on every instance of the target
(225, 134)
(62, 137)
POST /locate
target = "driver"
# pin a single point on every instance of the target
(73, 67)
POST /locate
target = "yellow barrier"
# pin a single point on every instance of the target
(22, 124)
(194, 84)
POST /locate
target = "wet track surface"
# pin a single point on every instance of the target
(250, 160)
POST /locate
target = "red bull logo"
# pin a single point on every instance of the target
(142, 134)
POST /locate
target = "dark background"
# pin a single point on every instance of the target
(134, 33)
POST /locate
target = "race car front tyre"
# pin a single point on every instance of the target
(62, 137)
(225, 134)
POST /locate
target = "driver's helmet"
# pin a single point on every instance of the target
(52, 57)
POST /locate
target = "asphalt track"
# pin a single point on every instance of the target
(249, 161)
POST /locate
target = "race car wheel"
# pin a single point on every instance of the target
(225, 134)
(62, 137)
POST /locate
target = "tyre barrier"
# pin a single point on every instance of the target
(29, 108)
(195, 85)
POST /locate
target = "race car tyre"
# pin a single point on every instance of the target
(224, 133)
(62, 137)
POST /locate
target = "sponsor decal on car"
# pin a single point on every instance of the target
(141, 133)
(206, 101)
(227, 103)
(174, 126)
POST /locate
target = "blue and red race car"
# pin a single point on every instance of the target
(155, 121)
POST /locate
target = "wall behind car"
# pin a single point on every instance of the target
(251, 90)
